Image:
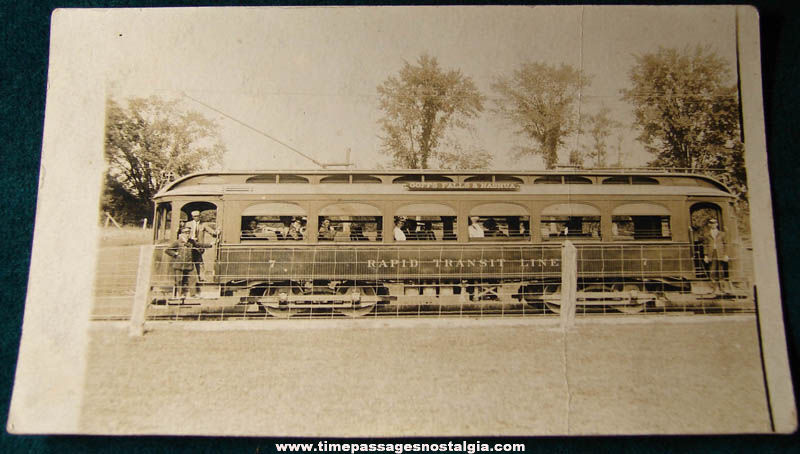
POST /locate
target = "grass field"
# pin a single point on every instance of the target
(657, 374)
(125, 236)
(471, 378)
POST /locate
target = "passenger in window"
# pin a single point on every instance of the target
(251, 230)
(282, 232)
(426, 232)
(515, 228)
(448, 228)
(410, 229)
(399, 235)
(357, 233)
(491, 230)
(296, 230)
(475, 228)
(326, 231)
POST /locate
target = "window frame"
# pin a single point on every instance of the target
(358, 210)
(499, 213)
(417, 210)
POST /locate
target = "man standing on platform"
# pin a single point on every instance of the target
(714, 251)
(182, 265)
(197, 231)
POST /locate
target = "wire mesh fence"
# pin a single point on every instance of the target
(490, 280)
(115, 282)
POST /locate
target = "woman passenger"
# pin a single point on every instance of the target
(326, 231)
(296, 231)
(399, 235)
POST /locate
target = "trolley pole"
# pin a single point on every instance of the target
(569, 284)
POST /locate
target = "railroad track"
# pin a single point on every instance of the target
(255, 312)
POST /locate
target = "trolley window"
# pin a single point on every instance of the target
(493, 179)
(417, 178)
(407, 179)
(478, 178)
(163, 222)
(201, 218)
(507, 179)
(368, 179)
(624, 179)
(289, 178)
(570, 221)
(273, 222)
(436, 178)
(336, 179)
(572, 179)
(346, 178)
(550, 179)
(425, 222)
(268, 179)
(211, 180)
(271, 178)
(641, 221)
(499, 222)
(350, 222)
(643, 180)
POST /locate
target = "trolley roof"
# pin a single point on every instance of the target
(444, 182)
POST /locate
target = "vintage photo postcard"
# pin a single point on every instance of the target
(404, 221)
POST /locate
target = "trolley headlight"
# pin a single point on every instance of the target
(355, 297)
(283, 297)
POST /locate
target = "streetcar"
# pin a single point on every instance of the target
(353, 242)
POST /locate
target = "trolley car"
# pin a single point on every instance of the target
(350, 241)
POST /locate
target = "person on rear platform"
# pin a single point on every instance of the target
(197, 234)
(714, 252)
(182, 265)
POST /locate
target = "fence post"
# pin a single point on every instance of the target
(136, 327)
(569, 284)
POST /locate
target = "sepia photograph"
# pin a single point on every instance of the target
(404, 221)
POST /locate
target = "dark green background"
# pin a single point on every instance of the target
(24, 27)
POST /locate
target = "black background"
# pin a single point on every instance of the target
(24, 28)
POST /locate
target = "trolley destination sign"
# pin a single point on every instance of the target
(464, 263)
(453, 186)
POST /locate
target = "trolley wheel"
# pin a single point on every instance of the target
(551, 290)
(278, 311)
(359, 311)
(553, 307)
(631, 308)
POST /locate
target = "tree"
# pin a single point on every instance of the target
(575, 158)
(600, 126)
(539, 99)
(458, 157)
(685, 106)
(421, 104)
(148, 142)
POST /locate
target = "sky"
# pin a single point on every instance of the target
(308, 76)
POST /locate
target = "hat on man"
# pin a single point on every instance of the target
(195, 213)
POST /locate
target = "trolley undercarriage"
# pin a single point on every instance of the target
(404, 298)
